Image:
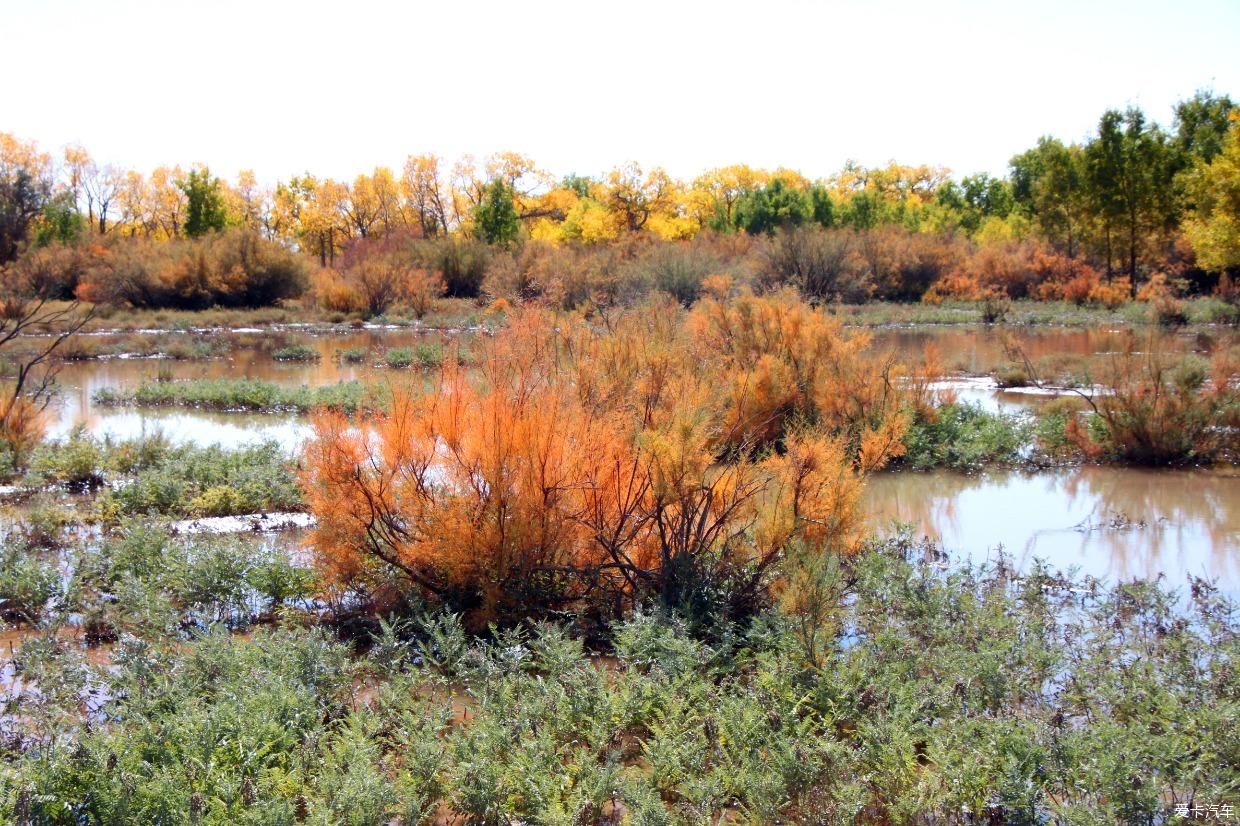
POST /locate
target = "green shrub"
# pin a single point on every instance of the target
(211, 481)
(28, 581)
(965, 437)
(250, 395)
(296, 352)
(353, 355)
(944, 693)
(398, 357)
(75, 462)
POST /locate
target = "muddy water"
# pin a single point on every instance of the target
(1112, 523)
(250, 357)
(980, 349)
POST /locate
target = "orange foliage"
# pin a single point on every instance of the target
(21, 427)
(1023, 270)
(1163, 412)
(1111, 294)
(584, 463)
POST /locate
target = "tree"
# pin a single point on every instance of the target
(1213, 228)
(423, 191)
(633, 197)
(495, 218)
(1129, 177)
(22, 200)
(714, 195)
(1201, 126)
(774, 206)
(1049, 184)
(204, 203)
(60, 221)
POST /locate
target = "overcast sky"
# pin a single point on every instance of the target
(338, 88)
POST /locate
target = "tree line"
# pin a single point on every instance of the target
(1133, 201)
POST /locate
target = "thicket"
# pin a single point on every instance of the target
(925, 695)
(585, 467)
(233, 268)
(1157, 410)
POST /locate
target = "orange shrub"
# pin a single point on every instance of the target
(1111, 294)
(601, 465)
(21, 427)
(334, 295)
(421, 289)
(1162, 412)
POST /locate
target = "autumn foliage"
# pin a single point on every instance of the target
(1157, 410)
(599, 464)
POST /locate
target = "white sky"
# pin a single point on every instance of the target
(338, 88)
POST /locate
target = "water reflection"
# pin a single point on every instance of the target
(966, 348)
(1113, 523)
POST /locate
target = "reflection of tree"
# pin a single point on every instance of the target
(981, 349)
(927, 501)
(1170, 515)
(1191, 518)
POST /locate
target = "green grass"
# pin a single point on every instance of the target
(426, 356)
(249, 395)
(1026, 312)
(353, 355)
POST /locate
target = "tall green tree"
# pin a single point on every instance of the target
(976, 198)
(204, 203)
(1129, 174)
(822, 208)
(60, 222)
(23, 195)
(495, 218)
(1201, 125)
(1198, 136)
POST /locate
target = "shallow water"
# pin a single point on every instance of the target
(1112, 523)
(80, 380)
(1069, 518)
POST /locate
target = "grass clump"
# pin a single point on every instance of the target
(398, 357)
(29, 580)
(251, 395)
(153, 476)
(353, 355)
(425, 356)
(295, 352)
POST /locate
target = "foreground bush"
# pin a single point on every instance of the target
(964, 437)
